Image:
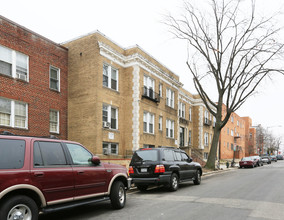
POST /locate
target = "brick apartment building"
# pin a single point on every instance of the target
(33, 83)
(232, 141)
(250, 138)
(121, 100)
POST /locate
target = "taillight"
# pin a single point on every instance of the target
(130, 171)
(159, 169)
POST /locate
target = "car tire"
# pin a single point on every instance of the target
(142, 188)
(174, 182)
(118, 195)
(197, 178)
(21, 207)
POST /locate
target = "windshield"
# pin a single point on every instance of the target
(145, 155)
(246, 159)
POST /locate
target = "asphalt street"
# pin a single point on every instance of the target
(236, 194)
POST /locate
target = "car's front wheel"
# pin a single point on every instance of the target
(197, 178)
(19, 207)
(174, 182)
(118, 195)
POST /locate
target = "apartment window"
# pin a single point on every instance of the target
(149, 87)
(148, 122)
(205, 155)
(54, 121)
(190, 114)
(232, 133)
(206, 135)
(232, 146)
(13, 63)
(232, 119)
(228, 145)
(206, 117)
(181, 110)
(238, 123)
(160, 90)
(181, 136)
(160, 123)
(189, 138)
(110, 116)
(228, 131)
(170, 128)
(170, 98)
(13, 113)
(54, 77)
(110, 148)
(110, 77)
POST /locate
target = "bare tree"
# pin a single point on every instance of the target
(232, 50)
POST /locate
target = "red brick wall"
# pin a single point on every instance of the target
(42, 53)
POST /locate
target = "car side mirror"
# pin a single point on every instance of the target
(96, 160)
(189, 160)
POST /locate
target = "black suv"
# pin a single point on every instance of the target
(163, 166)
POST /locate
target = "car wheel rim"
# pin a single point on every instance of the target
(121, 195)
(20, 212)
(198, 176)
(174, 182)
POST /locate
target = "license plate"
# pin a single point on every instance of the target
(143, 170)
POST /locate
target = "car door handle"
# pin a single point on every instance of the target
(80, 172)
(38, 174)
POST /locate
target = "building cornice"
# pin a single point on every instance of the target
(137, 59)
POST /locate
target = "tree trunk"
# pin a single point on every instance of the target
(213, 151)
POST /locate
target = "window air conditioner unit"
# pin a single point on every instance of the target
(106, 124)
(105, 151)
(22, 76)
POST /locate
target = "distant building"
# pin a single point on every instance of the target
(232, 142)
(33, 83)
(250, 138)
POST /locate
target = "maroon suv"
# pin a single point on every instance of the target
(45, 175)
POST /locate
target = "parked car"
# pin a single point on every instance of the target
(258, 160)
(247, 162)
(266, 159)
(45, 175)
(273, 158)
(279, 157)
(165, 166)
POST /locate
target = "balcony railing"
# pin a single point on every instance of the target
(150, 94)
(207, 122)
(183, 121)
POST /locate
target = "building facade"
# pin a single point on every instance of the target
(33, 83)
(232, 142)
(120, 99)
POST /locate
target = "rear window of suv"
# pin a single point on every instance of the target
(12, 154)
(145, 155)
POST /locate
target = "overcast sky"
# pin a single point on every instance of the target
(130, 22)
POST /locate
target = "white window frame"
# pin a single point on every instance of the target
(170, 128)
(13, 114)
(232, 132)
(148, 119)
(206, 139)
(108, 149)
(57, 121)
(170, 98)
(109, 108)
(13, 62)
(181, 110)
(161, 90)
(206, 116)
(109, 75)
(160, 123)
(58, 77)
(190, 114)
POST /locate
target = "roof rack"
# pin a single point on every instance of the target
(12, 134)
(167, 147)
